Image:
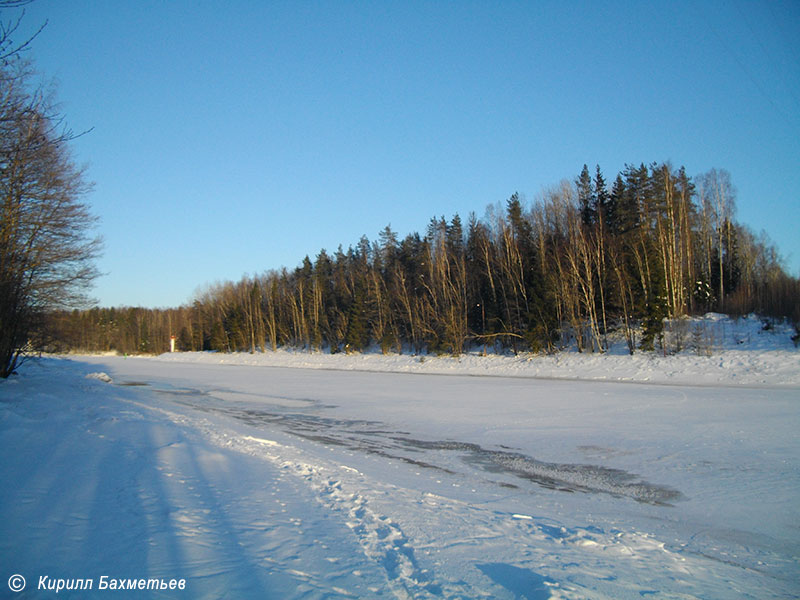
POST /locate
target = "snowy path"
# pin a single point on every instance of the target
(290, 483)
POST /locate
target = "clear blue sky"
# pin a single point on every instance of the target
(229, 138)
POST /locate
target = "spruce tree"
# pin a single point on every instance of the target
(615, 200)
(600, 197)
(357, 336)
(585, 188)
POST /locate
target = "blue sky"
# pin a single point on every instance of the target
(230, 138)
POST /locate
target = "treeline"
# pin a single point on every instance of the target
(582, 261)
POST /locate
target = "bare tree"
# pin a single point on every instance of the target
(718, 199)
(46, 252)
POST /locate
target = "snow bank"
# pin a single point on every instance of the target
(712, 350)
(101, 487)
(100, 376)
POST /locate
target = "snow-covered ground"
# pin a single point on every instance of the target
(289, 475)
(711, 350)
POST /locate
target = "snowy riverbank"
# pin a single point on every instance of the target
(715, 350)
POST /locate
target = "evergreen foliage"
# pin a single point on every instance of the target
(576, 264)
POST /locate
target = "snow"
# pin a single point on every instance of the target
(293, 475)
(714, 350)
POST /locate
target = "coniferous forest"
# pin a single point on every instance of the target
(589, 257)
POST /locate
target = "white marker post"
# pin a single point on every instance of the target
(172, 343)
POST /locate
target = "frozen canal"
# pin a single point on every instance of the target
(285, 482)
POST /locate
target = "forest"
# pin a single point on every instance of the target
(583, 260)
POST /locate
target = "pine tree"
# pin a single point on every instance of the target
(615, 200)
(454, 233)
(586, 202)
(357, 336)
(600, 197)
